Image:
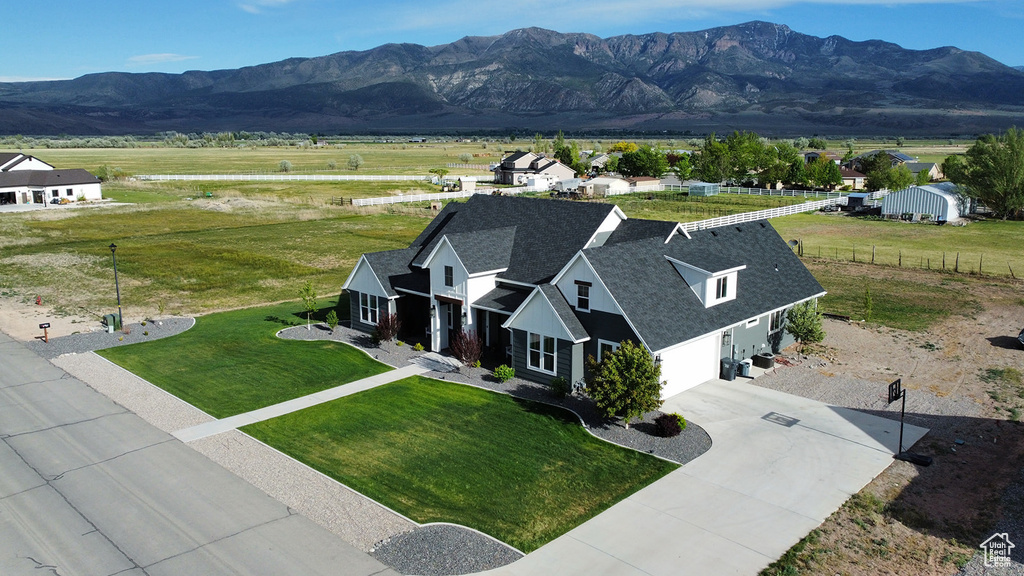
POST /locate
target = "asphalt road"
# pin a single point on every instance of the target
(87, 487)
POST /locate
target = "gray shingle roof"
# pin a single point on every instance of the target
(547, 232)
(501, 299)
(564, 312)
(393, 270)
(484, 250)
(43, 178)
(660, 304)
(636, 229)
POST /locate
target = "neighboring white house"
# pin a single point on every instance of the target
(645, 184)
(28, 180)
(518, 167)
(604, 186)
(939, 201)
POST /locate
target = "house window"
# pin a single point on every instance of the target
(368, 308)
(583, 297)
(753, 322)
(449, 311)
(54, 193)
(449, 276)
(722, 288)
(541, 354)
(70, 192)
(777, 318)
(605, 347)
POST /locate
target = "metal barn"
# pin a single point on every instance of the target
(937, 200)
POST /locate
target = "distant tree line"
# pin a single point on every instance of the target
(992, 172)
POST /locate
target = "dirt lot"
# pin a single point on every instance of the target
(963, 378)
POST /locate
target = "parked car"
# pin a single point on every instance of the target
(1020, 338)
(55, 201)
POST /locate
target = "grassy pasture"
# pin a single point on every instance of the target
(434, 451)
(381, 158)
(311, 193)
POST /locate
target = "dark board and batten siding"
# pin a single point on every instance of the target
(566, 355)
(353, 310)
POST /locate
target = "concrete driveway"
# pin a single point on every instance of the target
(87, 487)
(778, 466)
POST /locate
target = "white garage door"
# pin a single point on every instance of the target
(687, 366)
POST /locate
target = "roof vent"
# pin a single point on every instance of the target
(738, 229)
(763, 225)
(715, 234)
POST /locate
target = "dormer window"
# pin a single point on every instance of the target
(449, 276)
(722, 288)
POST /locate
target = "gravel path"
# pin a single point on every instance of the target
(444, 550)
(100, 339)
(154, 405)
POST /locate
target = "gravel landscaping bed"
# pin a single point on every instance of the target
(100, 339)
(443, 550)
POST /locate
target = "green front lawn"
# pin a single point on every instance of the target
(434, 451)
(232, 362)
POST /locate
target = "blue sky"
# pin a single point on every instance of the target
(69, 38)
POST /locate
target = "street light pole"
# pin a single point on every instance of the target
(117, 287)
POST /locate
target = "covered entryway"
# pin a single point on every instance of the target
(414, 310)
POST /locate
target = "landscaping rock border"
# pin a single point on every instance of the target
(100, 339)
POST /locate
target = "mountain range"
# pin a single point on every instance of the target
(754, 76)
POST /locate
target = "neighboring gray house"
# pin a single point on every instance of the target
(896, 158)
(546, 283)
(933, 170)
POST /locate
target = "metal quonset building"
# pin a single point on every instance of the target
(938, 200)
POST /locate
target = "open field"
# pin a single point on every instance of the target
(434, 451)
(992, 245)
(394, 158)
(308, 193)
(232, 362)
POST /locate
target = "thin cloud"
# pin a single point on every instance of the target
(258, 6)
(152, 59)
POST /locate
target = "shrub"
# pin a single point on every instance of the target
(560, 387)
(331, 165)
(465, 158)
(418, 347)
(504, 373)
(355, 161)
(284, 166)
(387, 328)
(332, 320)
(467, 347)
(143, 322)
(145, 333)
(399, 343)
(626, 383)
(667, 425)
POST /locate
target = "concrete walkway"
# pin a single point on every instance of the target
(232, 422)
(779, 466)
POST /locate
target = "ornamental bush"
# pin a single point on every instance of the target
(667, 425)
(560, 387)
(504, 373)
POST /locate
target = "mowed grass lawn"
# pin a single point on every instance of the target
(232, 362)
(434, 451)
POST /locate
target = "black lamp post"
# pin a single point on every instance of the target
(113, 248)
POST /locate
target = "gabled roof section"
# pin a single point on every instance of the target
(547, 233)
(484, 250)
(552, 296)
(502, 299)
(393, 271)
(659, 304)
(635, 229)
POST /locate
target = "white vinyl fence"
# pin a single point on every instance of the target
(286, 177)
(765, 192)
(761, 214)
(399, 199)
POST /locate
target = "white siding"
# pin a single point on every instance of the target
(32, 163)
(711, 286)
(600, 299)
(364, 281)
(445, 256)
(537, 316)
(684, 367)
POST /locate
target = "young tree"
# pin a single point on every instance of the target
(713, 163)
(922, 178)
(465, 157)
(332, 320)
(625, 383)
(803, 321)
(308, 295)
(680, 164)
(899, 177)
(284, 166)
(992, 172)
(355, 161)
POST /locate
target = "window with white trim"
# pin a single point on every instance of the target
(722, 288)
(777, 319)
(540, 354)
(450, 314)
(753, 322)
(583, 297)
(449, 276)
(368, 308)
(605, 347)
